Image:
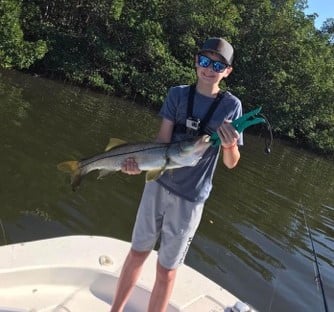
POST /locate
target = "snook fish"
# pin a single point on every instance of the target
(155, 158)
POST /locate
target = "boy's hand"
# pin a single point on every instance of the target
(130, 166)
(227, 134)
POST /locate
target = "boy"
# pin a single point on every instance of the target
(171, 207)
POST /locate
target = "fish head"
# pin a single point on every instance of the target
(197, 145)
(189, 152)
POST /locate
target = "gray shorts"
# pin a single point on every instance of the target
(170, 217)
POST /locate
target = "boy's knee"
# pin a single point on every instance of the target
(138, 256)
(165, 274)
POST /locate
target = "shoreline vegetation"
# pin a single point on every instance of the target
(138, 49)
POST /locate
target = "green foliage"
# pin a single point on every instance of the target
(139, 49)
(286, 66)
(328, 29)
(14, 50)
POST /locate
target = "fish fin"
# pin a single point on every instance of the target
(71, 167)
(68, 166)
(103, 173)
(75, 180)
(153, 174)
(113, 142)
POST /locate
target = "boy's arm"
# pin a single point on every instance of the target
(229, 137)
(165, 131)
(231, 156)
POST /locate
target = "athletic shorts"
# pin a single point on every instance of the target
(169, 217)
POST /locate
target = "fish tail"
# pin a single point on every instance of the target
(71, 167)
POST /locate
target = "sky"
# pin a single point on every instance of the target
(324, 9)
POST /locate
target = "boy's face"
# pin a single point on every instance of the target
(207, 74)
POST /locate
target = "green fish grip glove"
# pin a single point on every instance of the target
(241, 124)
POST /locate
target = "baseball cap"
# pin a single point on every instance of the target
(219, 46)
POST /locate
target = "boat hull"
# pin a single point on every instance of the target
(80, 273)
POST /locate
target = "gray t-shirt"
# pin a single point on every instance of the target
(195, 183)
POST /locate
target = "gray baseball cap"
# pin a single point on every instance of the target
(221, 47)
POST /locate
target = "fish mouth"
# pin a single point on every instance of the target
(206, 138)
(202, 144)
(203, 139)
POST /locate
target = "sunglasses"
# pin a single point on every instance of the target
(205, 62)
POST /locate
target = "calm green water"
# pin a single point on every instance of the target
(252, 239)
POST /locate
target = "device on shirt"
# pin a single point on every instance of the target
(195, 126)
(193, 123)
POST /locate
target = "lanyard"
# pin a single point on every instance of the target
(209, 113)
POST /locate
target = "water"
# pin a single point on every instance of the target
(252, 239)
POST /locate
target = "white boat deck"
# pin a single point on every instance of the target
(79, 273)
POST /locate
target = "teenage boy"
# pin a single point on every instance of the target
(171, 207)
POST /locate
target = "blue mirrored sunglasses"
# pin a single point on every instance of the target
(205, 62)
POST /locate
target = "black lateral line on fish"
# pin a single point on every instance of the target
(121, 154)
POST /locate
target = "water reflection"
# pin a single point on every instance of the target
(252, 239)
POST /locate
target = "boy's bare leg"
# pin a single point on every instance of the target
(162, 290)
(130, 272)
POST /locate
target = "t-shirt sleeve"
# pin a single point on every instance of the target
(238, 113)
(168, 109)
(238, 110)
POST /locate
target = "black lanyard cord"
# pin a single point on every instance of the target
(211, 110)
